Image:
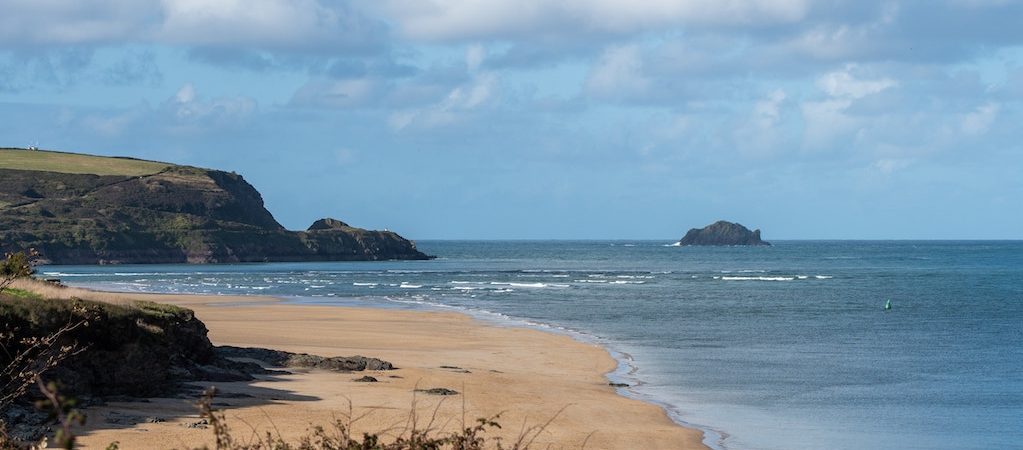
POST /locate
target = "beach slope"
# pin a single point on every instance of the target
(530, 377)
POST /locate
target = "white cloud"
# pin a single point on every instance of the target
(630, 16)
(186, 94)
(474, 56)
(244, 21)
(472, 95)
(187, 106)
(828, 42)
(183, 112)
(760, 135)
(618, 74)
(843, 84)
(827, 120)
(766, 111)
(980, 119)
(266, 24)
(457, 105)
(889, 166)
(72, 22)
(824, 121)
(841, 40)
(473, 19)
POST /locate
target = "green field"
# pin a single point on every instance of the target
(12, 158)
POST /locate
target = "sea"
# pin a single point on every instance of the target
(781, 347)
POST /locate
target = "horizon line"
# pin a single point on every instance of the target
(770, 240)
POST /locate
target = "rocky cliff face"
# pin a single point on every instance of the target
(137, 349)
(132, 349)
(178, 215)
(722, 233)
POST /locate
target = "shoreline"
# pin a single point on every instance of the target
(554, 367)
(624, 371)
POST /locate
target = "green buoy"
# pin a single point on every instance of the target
(888, 305)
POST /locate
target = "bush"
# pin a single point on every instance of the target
(16, 265)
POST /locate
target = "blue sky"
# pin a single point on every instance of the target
(526, 119)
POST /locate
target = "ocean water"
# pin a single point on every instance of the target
(783, 347)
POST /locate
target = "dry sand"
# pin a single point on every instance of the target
(529, 376)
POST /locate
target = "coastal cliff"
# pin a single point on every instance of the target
(130, 350)
(82, 209)
(722, 233)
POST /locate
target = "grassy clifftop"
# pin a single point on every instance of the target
(83, 209)
(61, 162)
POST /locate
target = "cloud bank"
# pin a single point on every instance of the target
(575, 112)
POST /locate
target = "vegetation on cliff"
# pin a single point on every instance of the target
(47, 161)
(93, 349)
(81, 209)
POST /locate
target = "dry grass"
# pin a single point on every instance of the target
(52, 291)
(76, 163)
(417, 433)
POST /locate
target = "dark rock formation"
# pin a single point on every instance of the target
(177, 215)
(280, 358)
(328, 224)
(140, 349)
(131, 351)
(722, 233)
(366, 379)
(438, 391)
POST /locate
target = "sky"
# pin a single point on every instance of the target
(529, 119)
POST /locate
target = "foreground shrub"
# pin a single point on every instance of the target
(339, 436)
(16, 265)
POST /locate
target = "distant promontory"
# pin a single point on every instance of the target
(83, 209)
(723, 233)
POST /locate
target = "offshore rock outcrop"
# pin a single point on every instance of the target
(722, 233)
(179, 214)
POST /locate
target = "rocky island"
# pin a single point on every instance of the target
(722, 233)
(83, 209)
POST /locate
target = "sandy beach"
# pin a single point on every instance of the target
(528, 376)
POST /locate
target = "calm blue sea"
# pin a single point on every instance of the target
(783, 347)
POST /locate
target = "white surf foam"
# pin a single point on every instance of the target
(525, 285)
(757, 278)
